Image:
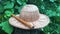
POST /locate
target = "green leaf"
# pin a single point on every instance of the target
(9, 5)
(12, 10)
(8, 13)
(21, 2)
(58, 14)
(7, 27)
(42, 7)
(52, 0)
(48, 33)
(19, 8)
(51, 13)
(5, 16)
(58, 9)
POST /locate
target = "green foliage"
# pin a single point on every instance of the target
(52, 0)
(21, 2)
(8, 7)
(50, 8)
(6, 27)
(8, 13)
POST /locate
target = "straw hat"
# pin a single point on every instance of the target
(30, 13)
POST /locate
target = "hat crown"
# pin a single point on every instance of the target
(29, 13)
(29, 8)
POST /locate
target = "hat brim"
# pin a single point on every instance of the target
(40, 23)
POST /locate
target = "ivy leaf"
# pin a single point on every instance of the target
(42, 7)
(9, 5)
(6, 27)
(8, 13)
(58, 9)
(21, 2)
(52, 0)
(51, 13)
(12, 10)
(58, 14)
(18, 8)
(48, 33)
(5, 16)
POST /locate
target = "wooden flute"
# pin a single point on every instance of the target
(22, 21)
